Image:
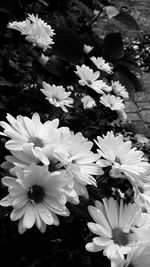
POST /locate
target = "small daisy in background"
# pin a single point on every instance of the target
(121, 156)
(88, 102)
(36, 31)
(43, 59)
(90, 79)
(122, 115)
(119, 89)
(114, 225)
(87, 49)
(142, 139)
(112, 102)
(37, 197)
(101, 64)
(57, 96)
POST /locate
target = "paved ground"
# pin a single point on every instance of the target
(138, 111)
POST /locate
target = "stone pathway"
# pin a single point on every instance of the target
(138, 111)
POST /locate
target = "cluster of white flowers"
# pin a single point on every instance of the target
(90, 79)
(112, 95)
(115, 101)
(50, 165)
(123, 231)
(36, 31)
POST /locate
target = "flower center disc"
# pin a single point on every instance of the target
(117, 160)
(119, 237)
(36, 193)
(36, 141)
(89, 82)
(55, 98)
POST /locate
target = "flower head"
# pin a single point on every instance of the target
(90, 79)
(112, 102)
(122, 115)
(88, 102)
(31, 134)
(119, 90)
(57, 96)
(121, 156)
(101, 64)
(37, 197)
(114, 225)
(43, 59)
(36, 30)
(87, 49)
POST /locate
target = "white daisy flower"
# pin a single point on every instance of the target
(121, 156)
(56, 163)
(122, 115)
(101, 64)
(36, 30)
(81, 163)
(37, 197)
(28, 133)
(114, 225)
(119, 90)
(90, 79)
(88, 102)
(87, 49)
(139, 256)
(141, 139)
(57, 96)
(112, 102)
(43, 59)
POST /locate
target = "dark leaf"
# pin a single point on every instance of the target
(88, 3)
(54, 66)
(124, 22)
(86, 11)
(9, 7)
(68, 45)
(127, 63)
(113, 46)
